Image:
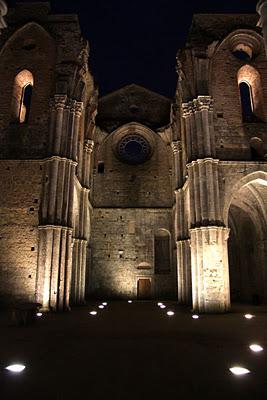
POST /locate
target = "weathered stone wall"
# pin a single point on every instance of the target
(19, 200)
(123, 185)
(122, 248)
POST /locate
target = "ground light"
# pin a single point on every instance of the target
(16, 368)
(195, 316)
(101, 306)
(239, 370)
(170, 313)
(105, 304)
(39, 314)
(256, 348)
(248, 316)
(162, 306)
(130, 301)
(93, 312)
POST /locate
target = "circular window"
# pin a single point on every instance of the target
(134, 149)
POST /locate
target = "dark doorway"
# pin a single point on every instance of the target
(144, 289)
(245, 259)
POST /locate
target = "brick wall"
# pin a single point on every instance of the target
(19, 200)
(122, 239)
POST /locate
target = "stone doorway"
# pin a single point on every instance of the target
(144, 289)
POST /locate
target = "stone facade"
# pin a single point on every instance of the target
(132, 195)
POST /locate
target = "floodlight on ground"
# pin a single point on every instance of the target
(130, 301)
(101, 306)
(162, 306)
(105, 304)
(248, 316)
(93, 312)
(239, 370)
(170, 313)
(195, 316)
(16, 368)
(39, 314)
(256, 348)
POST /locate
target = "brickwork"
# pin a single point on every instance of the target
(19, 198)
(83, 198)
(123, 241)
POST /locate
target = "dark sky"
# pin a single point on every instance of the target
(136, 41)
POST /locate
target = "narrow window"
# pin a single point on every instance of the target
(162, 252)
(246, 101)
(101, 167)
(22, 96)
(25, 106)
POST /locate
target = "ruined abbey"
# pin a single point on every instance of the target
(132, 195)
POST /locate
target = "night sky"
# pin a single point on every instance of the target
(137, 41)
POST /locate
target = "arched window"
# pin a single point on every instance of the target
(22, 96)
(162, 252)
(251, 95)
(246, 101)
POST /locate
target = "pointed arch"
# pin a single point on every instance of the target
(22, 96)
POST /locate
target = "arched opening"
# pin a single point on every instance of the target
(247, 247)
(26, 103)
(251, 95)
(22, 96)
(246, 101)
(162, 252)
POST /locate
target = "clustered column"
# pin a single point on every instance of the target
(181, 231)
(208, 236)
(56, 214)
(83, 229)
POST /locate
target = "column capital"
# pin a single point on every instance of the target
(187, 109)
(203, 103)
(72, 106)
(89, 145)
(78, 108)
(60, 101)
(176, 146)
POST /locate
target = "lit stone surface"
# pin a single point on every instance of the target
(76, 221)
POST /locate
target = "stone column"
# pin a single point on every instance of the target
(262, 11)
(56, 220)
(187, 129)
(198, 115)
(209, 255)
(210, 274)
(183, 251)
(88, 149)
(60, 102)
(184, 271)
(78, 113)
(178, 163)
